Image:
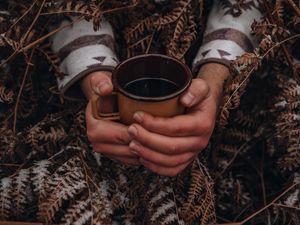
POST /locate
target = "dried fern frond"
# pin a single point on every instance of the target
(101, 205)
(79, 212)
(264, 28)
(53, 60)
(20, 194)
(40, 173)
(6, 96)
(174, 15)
(67, 182)
(161, 205)
(5, 198)
(200, 199)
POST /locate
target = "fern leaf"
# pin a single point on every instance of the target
(164, 209)
(101, 206)
(63, 185)
(20, 183)
(200, 201)
(74, 213)
(5, 198)
(174, 15)
(6, 96)
(40, 172)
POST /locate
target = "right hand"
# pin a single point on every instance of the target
(107, 137)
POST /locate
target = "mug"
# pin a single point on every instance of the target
(150, 83)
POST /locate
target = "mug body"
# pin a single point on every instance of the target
(155, 68)
(167, 108)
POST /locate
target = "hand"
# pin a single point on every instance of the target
(168, 145)
(107, 137)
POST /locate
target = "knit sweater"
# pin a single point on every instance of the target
(83, 50)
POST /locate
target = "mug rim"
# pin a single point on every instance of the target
(120, 89)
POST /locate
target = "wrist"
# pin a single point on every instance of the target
(215, 74)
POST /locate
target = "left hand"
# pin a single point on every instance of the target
(168, 145)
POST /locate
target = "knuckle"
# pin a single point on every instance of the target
(201, 84)
(123, 138)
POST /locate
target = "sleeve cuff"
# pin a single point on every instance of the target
(197, 65)
(72, 91)
(82, 62)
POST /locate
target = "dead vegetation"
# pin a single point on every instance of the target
(49, 172)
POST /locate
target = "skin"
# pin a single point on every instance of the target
(163, 145)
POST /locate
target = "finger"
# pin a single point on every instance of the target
(126, 160)
(164, 144)
(197, 91)
(105, 131)
(159, 158)
(101, 83)
(114, 149)
(193, 124)
(165, 171)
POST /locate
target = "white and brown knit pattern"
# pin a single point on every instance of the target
(228, 32)
(83, 50)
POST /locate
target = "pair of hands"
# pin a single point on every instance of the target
(163, 145)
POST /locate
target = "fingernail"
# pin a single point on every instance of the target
(102, 87)
(132, 130)
(135, 153)
(188, 98)
(133, 145)
(138, 117)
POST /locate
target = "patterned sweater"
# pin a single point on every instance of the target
(83, 50)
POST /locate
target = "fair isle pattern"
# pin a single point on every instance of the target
(228, 32)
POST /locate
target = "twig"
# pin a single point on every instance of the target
(262, 209)
(294, 7)
(150, 42)
(33, 22)
(9, 165)
(263, 187)
(32, 44)
(9, 58)
(270, 204)
(25, 13)
(287, 206)
(20, 92)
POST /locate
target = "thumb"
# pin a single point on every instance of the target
(197, 92)
(101, 83)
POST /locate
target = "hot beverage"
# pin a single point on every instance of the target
(151, 87)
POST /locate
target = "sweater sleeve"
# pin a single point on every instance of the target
(228, 32)
(81, 51)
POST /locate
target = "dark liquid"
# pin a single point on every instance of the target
(151, 87)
